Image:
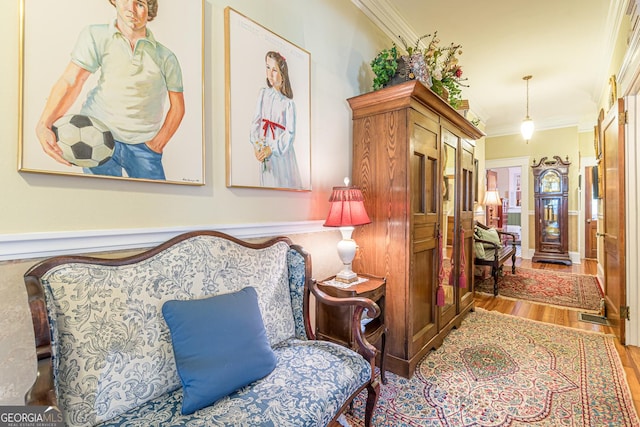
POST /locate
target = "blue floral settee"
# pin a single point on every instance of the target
(105, 354)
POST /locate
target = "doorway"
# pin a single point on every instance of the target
(516, 167)
(507, 182)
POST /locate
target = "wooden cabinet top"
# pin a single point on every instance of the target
(402, 96)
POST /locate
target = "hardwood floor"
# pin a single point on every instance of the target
(629, 355)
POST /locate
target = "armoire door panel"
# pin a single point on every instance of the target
(427, 242)
(424, 172)
(424, 175)
(423, 326)
(450, 162)
(467, 222)
(466, 293)
(418, 184)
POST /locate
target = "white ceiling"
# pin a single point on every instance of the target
(565, 44)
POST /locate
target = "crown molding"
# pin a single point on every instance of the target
(628, 78)
(386, 17)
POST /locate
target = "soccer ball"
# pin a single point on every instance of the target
(84, 141)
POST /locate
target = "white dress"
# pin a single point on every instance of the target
(274, 125)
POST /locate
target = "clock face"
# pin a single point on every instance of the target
(550, 182)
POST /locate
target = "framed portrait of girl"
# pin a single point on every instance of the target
(268, 108)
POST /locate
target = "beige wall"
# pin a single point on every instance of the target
(586, 143)
(37, 203)
(617, 59)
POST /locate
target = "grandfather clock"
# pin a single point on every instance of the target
(551, 191)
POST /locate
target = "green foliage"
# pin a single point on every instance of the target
(453, 88)
(384, 66)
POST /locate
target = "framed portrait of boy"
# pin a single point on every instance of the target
(268, 95)
(112, 89)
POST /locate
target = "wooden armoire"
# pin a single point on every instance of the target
(413, 158)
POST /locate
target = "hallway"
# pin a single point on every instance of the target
(629, 355)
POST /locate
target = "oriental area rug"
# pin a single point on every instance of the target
(575, 291)
(501, 370)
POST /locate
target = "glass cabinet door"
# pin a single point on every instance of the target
(550, 220)
(448, 220)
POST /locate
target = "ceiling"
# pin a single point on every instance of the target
(566, 45)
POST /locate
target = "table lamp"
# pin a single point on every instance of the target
(346, 210)
(491, 199)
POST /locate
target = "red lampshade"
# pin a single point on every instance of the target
(347, 208)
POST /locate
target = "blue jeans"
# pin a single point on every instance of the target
(138, 160)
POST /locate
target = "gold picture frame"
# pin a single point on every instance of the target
(600, 166)
(597, 137)
(596, 142)
(50, 31)
(613, 90)
(268, 119)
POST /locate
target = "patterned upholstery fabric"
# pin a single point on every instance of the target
(112, 348)
(309, 385)
(296, 289)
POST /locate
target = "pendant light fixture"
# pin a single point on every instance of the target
(527, 124)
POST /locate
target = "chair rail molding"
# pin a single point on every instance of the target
(36, 245)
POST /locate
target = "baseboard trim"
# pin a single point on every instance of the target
(46, 244)
(575, 257)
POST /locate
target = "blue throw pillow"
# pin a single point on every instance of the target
(220, 345)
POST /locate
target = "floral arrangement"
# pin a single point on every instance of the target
(436, 66)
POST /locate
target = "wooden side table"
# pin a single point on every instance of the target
(333, 323)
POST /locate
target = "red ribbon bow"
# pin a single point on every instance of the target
(268, 124)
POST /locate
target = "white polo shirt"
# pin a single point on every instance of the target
(131, 92)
